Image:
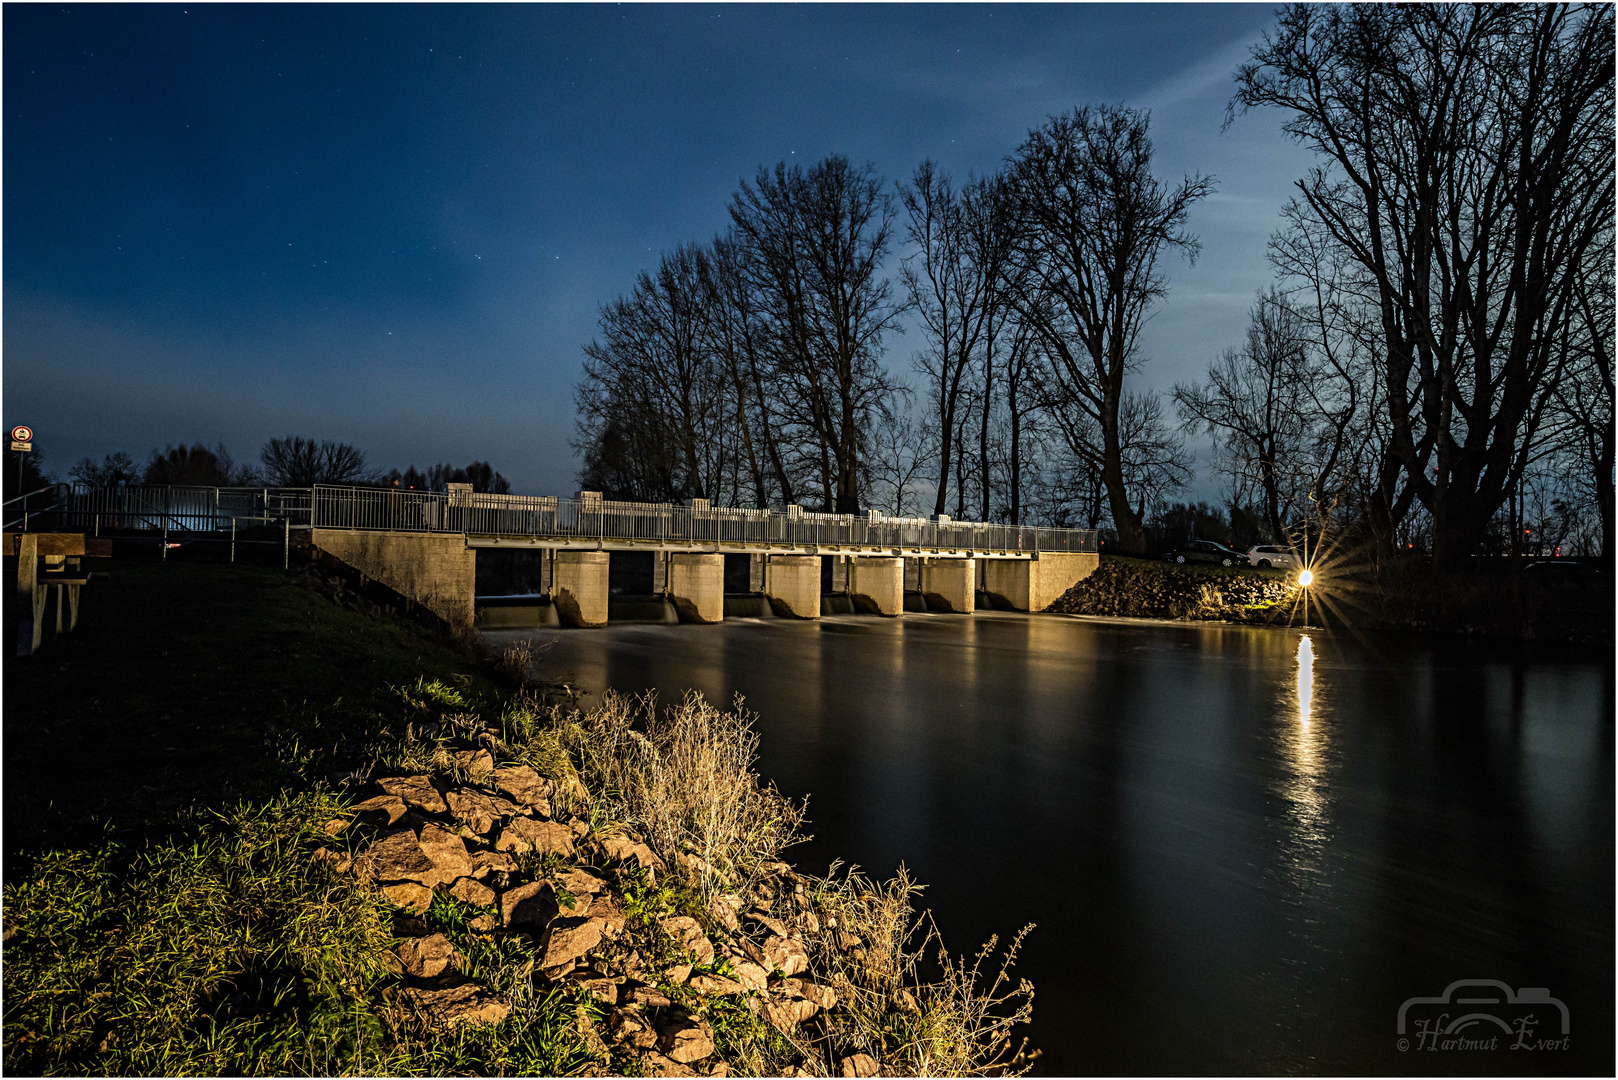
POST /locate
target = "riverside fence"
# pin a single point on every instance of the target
(216, 510)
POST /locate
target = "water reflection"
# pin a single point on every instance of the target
(1306, 678)
(1305, 751)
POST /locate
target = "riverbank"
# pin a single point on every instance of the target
(254, 828)
(1392, 598)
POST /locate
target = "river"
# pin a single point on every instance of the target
(1243, 848)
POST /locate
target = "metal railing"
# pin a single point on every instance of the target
(161, 508)
(17, 510)
(543, 517)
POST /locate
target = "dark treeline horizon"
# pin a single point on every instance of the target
(292, 461)
(1430, 369)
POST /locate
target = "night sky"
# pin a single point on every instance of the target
(394, 225)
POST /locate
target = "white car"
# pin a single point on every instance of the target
(1265, 556)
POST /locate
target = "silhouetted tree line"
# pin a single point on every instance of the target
(292, 461)
(751, 370)
(1432, 368)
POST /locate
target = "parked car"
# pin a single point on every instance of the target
(1205, 551)
(1265, 556)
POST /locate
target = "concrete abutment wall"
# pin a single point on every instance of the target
(439, 571)
(1033, 584)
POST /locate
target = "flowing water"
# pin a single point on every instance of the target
(1244, 848)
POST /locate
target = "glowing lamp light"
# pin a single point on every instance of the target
(1305, 577)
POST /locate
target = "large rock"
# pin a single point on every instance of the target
(625, 849)
(525, 786)
(531, 906)
(684, 1038)
(788, 1014)
(809, 990)
(485, 863)
(446, 851)
(786, 955)
(426, 957)
(859, 1065)
(383, 811)
(750, 975)
(472, 891)
(581, 882)
(397, 856)
(568, 939)
(719, 986)
(631, 1031)
(688, 932)
(410, 895)
(543, 837)
(655, 1064)
(417, 791)
(605, 910)
(479, 810)
(475, 763)
(465, 1004)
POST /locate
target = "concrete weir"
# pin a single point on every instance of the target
(571, 586)
(792, 582)
(579, 588)
(877, 585)
(950, 585)
(696, 585)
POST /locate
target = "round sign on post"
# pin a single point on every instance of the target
(22, 433)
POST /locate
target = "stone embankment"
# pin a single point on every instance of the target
(1143, 589)
(502, 840)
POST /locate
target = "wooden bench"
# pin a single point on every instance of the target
(47, 563)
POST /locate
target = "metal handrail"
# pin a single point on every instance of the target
(197, 509)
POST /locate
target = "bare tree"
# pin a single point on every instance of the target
(952, 277)
(818, 239)
(113, 469)
(1469, 170)
(653, 364)
(1253, 401)
(1092, 224)
(298, 462)
(741, 340)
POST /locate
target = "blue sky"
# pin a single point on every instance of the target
(393, 225)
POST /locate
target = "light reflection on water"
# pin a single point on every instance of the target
(1243, 847)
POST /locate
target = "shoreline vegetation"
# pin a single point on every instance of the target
(286, 834)
(1393, 598)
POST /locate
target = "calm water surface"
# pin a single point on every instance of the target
(1243, 848)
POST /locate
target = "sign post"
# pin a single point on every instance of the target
(22, 441)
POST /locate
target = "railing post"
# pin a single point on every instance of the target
(286, 543)
(233, 538)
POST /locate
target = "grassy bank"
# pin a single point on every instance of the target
(1143, 588)
(192, 686)
(1396, 597)
(199, 828)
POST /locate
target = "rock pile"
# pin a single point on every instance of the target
(497, 837)
(1147, 590)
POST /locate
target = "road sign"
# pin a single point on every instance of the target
(15, 445)
(21, 433)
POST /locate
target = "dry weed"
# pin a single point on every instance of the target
(870, 951)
